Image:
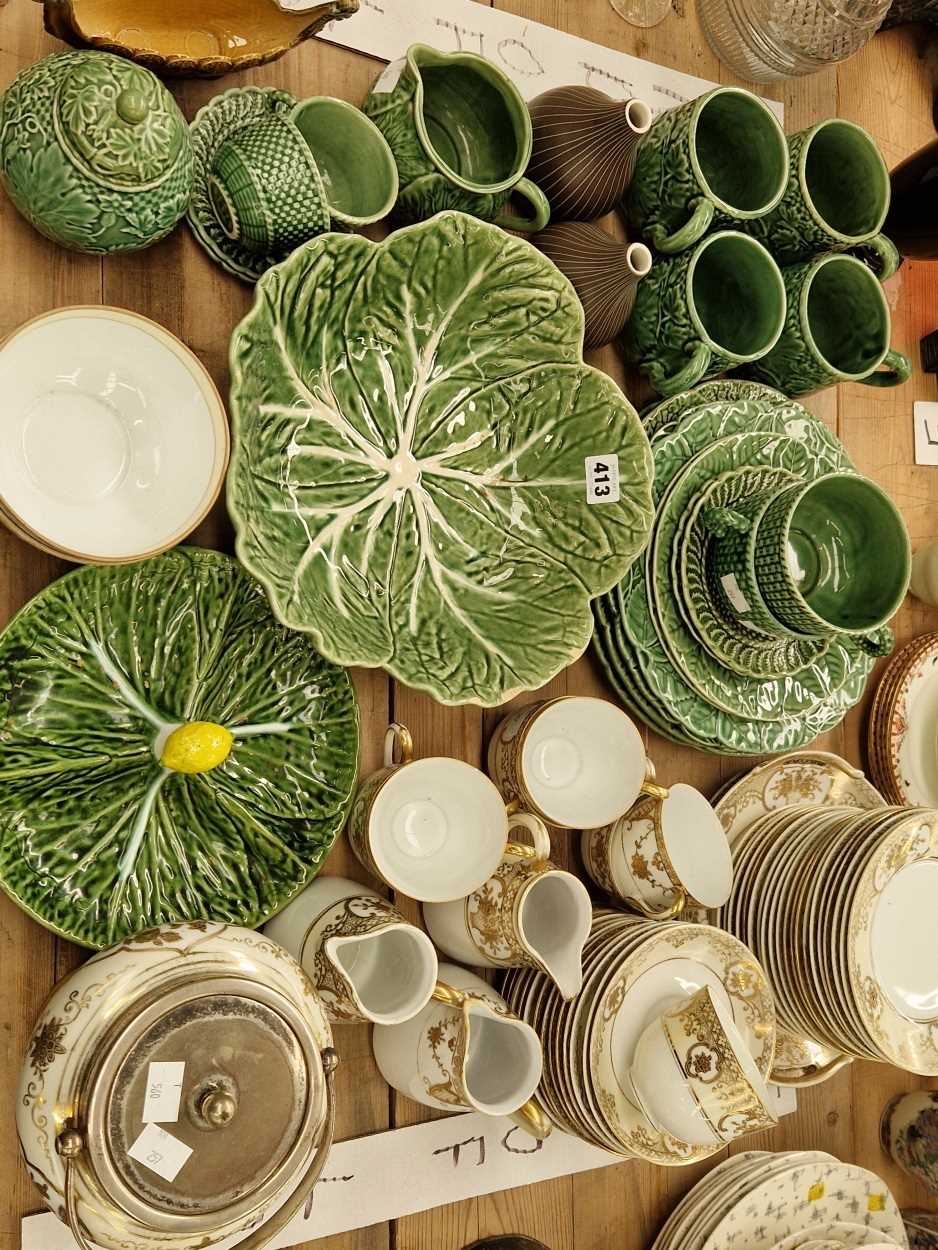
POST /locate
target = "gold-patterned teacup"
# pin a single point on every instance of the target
(465, 1051)
(669, 852)
(529, 913)
(576, 762)
(694, 1076)
(366, 961)
(433, 829)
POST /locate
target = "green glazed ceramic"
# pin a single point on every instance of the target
(832, 555)
(461, 135)
(272, 172)
(718, 160)
(730, 642)
(110, 821)
(94, 152)
(837, 197)
(718, 305)
(664, 414)
(412, 424)
(837, 329)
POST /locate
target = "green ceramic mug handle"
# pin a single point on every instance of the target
(884, 258)
(685, 378)
(537, 199)
(897, 368)
(720, 521)
(881, 641)
(689, 233)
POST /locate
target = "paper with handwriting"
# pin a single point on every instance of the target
(536, 57)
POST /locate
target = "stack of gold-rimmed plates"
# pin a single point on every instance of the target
(903, 726)
(838, 906)
(795, 1198)
(633, 970)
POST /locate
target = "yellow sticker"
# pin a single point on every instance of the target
(876, 1202)
(816, 1191)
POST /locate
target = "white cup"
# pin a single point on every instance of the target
(366, 961)
(694, 1077)
(576, 762)
(465, 1051)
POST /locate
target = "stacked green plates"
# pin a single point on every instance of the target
(668, 647)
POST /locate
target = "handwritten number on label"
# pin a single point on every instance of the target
(520, 1150)
(457, 1147)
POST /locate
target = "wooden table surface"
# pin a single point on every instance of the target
(887, 88)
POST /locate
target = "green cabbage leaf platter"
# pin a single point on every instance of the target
(412, 423)
(97, 839)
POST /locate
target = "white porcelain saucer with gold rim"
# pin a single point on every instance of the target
(114, 438)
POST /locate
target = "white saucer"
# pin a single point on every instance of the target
(113, 438)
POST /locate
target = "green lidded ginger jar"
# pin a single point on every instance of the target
(94, 152)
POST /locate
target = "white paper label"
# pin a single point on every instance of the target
(925, 420)
(388, 78)
(602, 479)
(783, 1099)
(161, 1153)
(164, 1089)
(733, 593)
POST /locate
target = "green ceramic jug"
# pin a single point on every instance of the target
(94, 152)
(461, 136)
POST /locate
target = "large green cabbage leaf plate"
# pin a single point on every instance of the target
(412, 425)
(99, 839)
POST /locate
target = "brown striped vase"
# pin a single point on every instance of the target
(604, 271)
(584, 149)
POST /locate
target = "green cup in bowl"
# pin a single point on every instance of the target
(832, 556)
(837, 329)
(718, 160)
(837, 198)
(719, 305)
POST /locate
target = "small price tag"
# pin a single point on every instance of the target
(733, 593)
(164, 1089)
(388, 78)
(161, 1153)
(782, 1099)
(602, 479)
(926, 431)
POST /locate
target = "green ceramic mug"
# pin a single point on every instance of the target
(719, 305)
(289, 176)
(837, 329)
(461, 135)
(820, 558)
(837, 198)
(720, 159)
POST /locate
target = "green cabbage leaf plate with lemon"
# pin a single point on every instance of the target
(168, 751)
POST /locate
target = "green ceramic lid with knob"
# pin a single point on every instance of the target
(95, 152)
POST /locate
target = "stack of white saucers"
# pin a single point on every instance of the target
(796, 1198)
(839, 907)
(633, 970)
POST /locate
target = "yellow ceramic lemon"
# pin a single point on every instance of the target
(196, 747)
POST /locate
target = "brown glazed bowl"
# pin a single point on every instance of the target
(227, 35)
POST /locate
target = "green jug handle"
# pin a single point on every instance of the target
(897, 368)
(537, 199)
(685, 378)
(884, 259)
(695, 228)
(720, 521)
(881, 641)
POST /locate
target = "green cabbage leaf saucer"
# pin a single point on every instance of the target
(98, 837)
(412, 425)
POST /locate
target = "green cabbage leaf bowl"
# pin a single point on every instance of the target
(412, 424)
(97, 839)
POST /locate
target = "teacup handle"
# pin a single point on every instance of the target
(721, 521)
(881, 641)
(685, 378)
(398, 746)
(653, 790)
(538, 831)
(537, 199)
(668, 913)
(693, 229)
(812, 1074)
(897, 368)
(884, 258)
(533, 1119)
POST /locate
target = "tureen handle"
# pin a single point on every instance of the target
(70, 1144)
